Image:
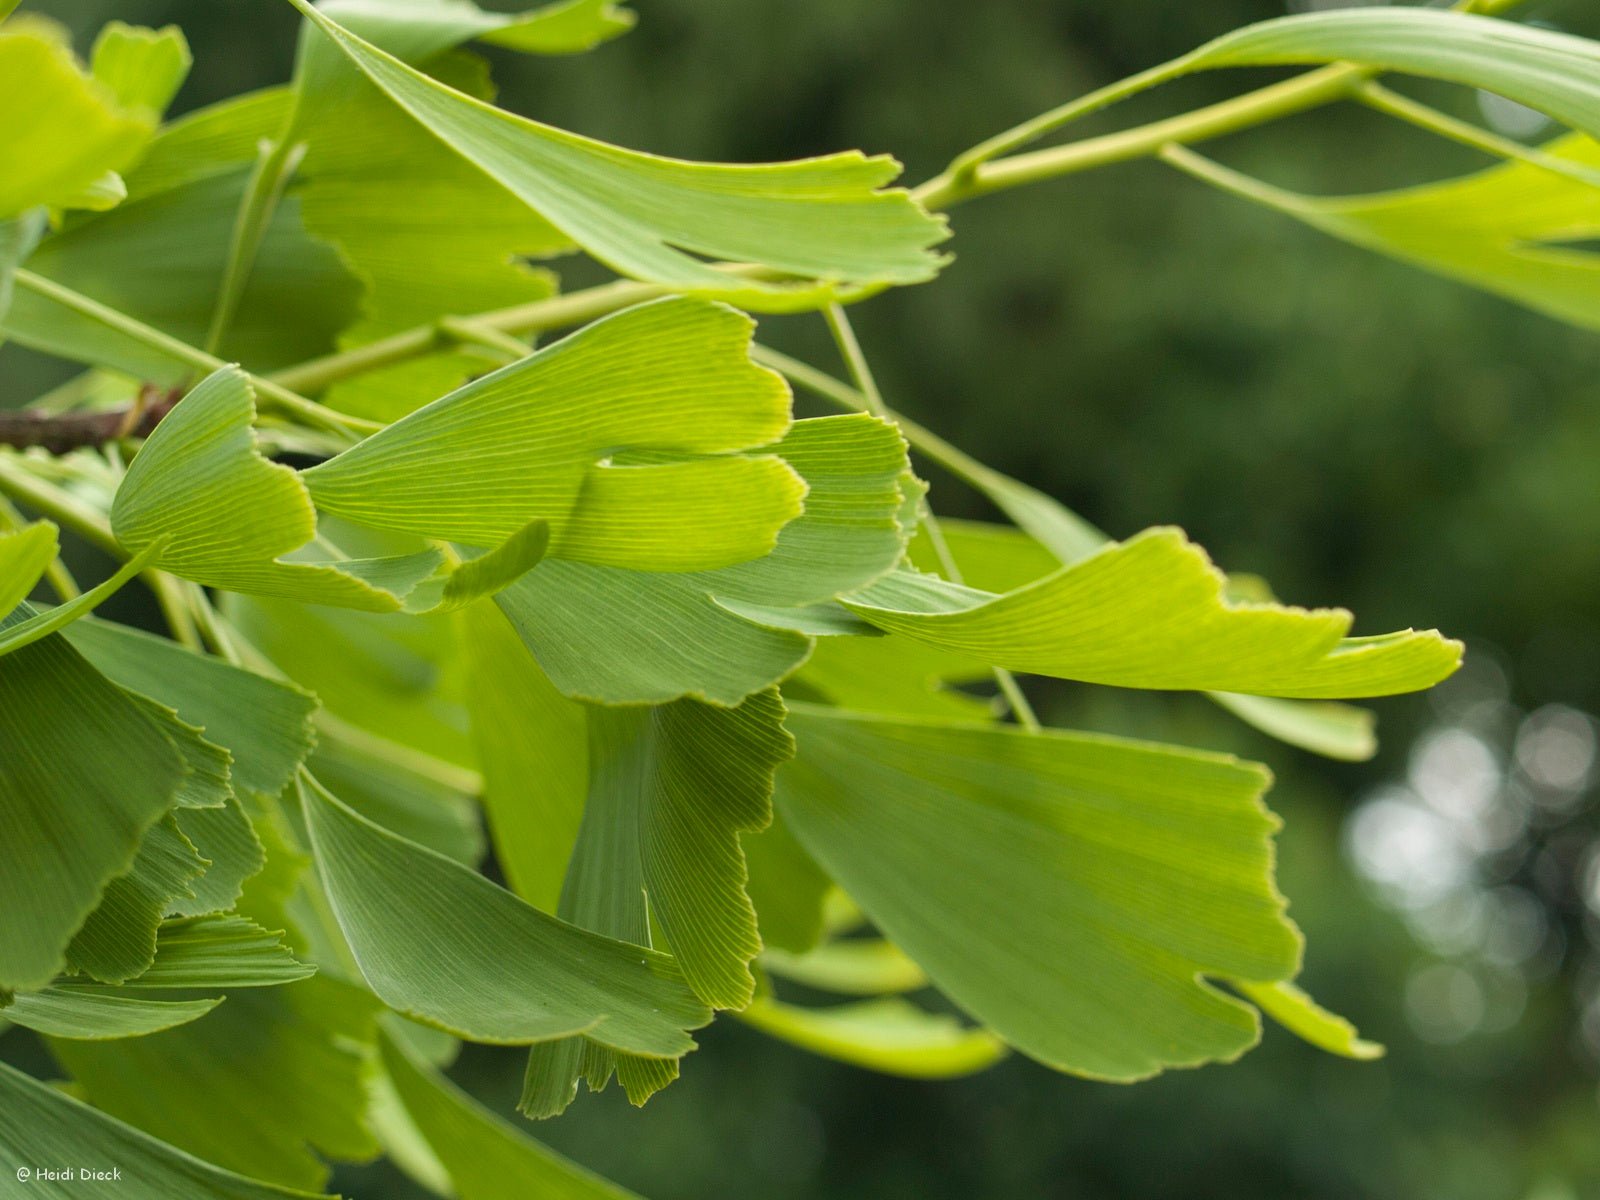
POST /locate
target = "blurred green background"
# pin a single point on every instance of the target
(1153, 352)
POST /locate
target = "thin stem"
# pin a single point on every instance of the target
(468, 332)
(1381, 99)
(274, 168)
(210, 624)
(844, 335)
(1311, 90)
(269, 391)
(539, 316)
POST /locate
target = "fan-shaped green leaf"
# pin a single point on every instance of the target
(1305, 1018)
(264, 723)
(687, 778)
(1151, 612)
(890, 1036)
(850, 966)
(97, 773)
(142, 68)
(1070, 891)
(39, 1123)
(821, 219)
(63, 130)
(419, 808)
(499, 970)
(257, 1086)
(219, 952)
(624, 637)
(24, 555)
(66, 1010)
(118, 940)
(43, 624)
(1517, 230)
(532, 441)
(227, 841)
(485, 1158)
(229, 514)
(1556, 73)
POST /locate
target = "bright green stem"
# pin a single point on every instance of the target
(1303, 92)
(270, 393)
(539, 316)
(273, 170)
(871, 400)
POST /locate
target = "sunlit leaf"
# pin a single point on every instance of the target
(229, 514)
(143, 68)
(219, 952)
(63, 130)
(499, 970)
(1305, 1018)
(1151, 612)
(39, 1123)
(24, 555)
(625, 637)
(42, 624)
(1068, 890)
(891, 1036)
(820, 219)
(420, 809)
(533, 441)
(1517, 230)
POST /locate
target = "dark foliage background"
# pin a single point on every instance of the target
(1151, 352)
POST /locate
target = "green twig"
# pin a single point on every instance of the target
(271, 393)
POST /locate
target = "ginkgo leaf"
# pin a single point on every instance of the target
(1551, 71)
(1151, 613)
(684, 780)
(533, 747)
(63, 129)
(654, 218)
(532, 441)
(890, 1036)
(74, 809)
(850, 966)
(209, 783)
(457, 246)
(219, 952)
(42, 624)
(297, 298)
(259, 1085)
(499, 970)
(1333, 730)
(485, 1158)
(118, 940)
(264, 723)
(1518, 230)
(39, 1123)
(998, 559)
(626, 637)
(24, 555)
(227, 841)
(417, 28)
(142, 68)
(65, 1010)
(787, 888)
(1305, 1018)
(1070, 891)
(229, 514)
(419, 808)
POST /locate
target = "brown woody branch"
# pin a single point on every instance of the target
(60, 433)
